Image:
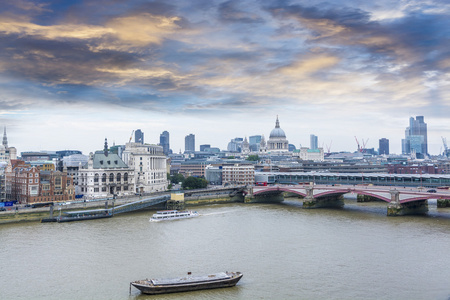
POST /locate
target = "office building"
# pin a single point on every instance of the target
(313, 142)
(205, 147)
(149, 165)
(255, 142)
(416, 141)
(238, 174)
(383, 146)
(139, 136)
(189, 143)
(164, 142)
(235, 145)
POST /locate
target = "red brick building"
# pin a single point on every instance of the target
(27, 184)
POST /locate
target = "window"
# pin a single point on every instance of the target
(125, 177)
(118, 177)
(31, 181)
(103, 177)
(96, 190)
(36, 180)
(96, 177)
(104, 189)
(111, 177)
(36, 175)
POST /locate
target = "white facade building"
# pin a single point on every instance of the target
(238, 174)
(105, 176)
(150, 167)
(310, 154)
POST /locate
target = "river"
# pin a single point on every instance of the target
(284, 252)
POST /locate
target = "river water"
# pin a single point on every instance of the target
(284, 252)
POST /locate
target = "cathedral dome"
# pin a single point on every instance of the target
(277, 132)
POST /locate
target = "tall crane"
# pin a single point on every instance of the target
(131, 136)
(329, 147)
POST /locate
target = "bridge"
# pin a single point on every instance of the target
(401, 200)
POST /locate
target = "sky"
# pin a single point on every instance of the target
(73, 73)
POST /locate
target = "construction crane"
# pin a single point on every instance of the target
(364, 145)
(329, 147)
(444, 141)
(131, 136)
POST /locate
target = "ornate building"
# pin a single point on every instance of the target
(277, 140)
(245, 146)
(7, 153)
(105, 175)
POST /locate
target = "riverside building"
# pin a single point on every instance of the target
(105, 174)
(149, 165)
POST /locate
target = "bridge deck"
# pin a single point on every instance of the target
(406, 194)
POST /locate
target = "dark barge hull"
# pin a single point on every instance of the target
(72, 219)
(147, 287)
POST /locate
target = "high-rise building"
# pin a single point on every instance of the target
(205, 147)
(164, 142)
(255, 142)
(189, 143)
(313, 142)
(383, 146)
(416, 140)
(139, 136)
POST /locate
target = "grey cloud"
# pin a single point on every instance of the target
(231, 13)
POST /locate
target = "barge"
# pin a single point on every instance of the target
(187, 283)
(85, 215)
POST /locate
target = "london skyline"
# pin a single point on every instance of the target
(73, 73)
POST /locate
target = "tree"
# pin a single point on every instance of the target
(177, 178)
(194, 183)
(253, 157)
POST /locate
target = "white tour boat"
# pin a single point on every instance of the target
(165, 215)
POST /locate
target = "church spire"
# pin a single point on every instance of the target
(5, 139)
(277, 123)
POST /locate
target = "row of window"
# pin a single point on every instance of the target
(111, 177)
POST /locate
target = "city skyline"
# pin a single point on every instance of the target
(73, 74)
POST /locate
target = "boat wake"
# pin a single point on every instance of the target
(216, 213)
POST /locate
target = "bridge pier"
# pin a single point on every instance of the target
(276, 197)
(323, 202)
(395, 208)
(442, 203)
(366, 198)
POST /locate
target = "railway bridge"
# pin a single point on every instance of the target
(401, 200)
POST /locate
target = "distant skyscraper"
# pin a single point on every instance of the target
(205, 147)
(384, 146)
(189, 143)
(416, 138)
(164, 142)
(313, 142)
(138, 136)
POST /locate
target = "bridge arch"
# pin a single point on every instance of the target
(279, 189)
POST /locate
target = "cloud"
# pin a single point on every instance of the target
(231, 12)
